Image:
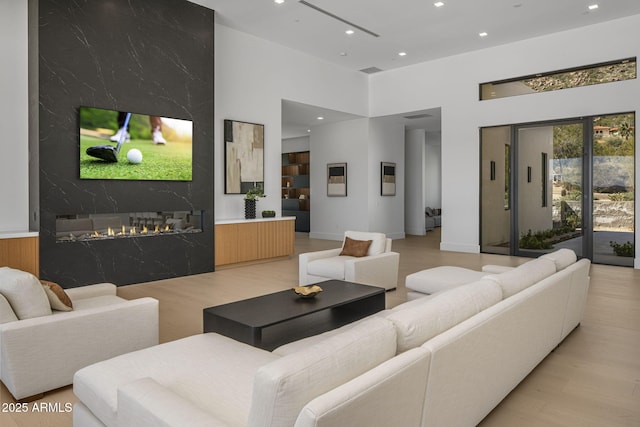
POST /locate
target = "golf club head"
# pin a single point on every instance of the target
(107, 153)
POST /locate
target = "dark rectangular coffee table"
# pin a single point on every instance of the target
(272, 320)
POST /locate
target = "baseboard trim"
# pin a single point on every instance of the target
(398, 235)
(420, 231)
(459, 247)
(339, 237)
(326, 236)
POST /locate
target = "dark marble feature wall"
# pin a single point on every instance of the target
(148, 56)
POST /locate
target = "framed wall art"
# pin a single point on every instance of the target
(387, 179)
(243, 156)
(337, 179)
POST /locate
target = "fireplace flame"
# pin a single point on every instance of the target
(137, 226)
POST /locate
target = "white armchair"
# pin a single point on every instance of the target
(41, 348)
(379, 267)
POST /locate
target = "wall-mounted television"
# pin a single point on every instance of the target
(133, 146)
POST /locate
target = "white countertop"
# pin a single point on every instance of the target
(17, 234)
(260, 219)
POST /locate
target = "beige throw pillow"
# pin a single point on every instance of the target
(24, 292)
(356, 248)
(58, 298)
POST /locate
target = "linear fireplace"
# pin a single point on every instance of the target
(81, 228)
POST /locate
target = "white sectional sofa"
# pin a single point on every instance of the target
(443, 360)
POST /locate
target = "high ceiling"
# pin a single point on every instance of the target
(382, 30)
(416, 27)
(299, 119)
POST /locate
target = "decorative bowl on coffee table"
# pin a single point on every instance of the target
(307, 291)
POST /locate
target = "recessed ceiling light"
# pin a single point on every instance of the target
(343, 53)
(278, 1)
(402, 54)
(483, 34)
(593, 7)
(438, 4)
(320, 118)
(308, 130)
(349, 31)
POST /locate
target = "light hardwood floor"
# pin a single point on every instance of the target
(591, 379)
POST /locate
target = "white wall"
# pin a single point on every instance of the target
(363, 144)
(415, 182)
(14, 161)
(386, 144)
(252, 78)
(433, 171)
(343, 142)
(295, 145)
(452, 83)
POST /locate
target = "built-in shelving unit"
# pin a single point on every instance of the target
(295, 188)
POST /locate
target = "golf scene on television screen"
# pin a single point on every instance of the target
(130, 146)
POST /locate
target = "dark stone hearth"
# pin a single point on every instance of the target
(148, 56)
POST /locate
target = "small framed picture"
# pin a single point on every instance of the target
(337, 179)
(387, 179)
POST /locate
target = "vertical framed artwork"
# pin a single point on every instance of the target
(243, 156)
(387, 179)
(337, 179)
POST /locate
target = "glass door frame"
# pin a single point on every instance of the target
(587, 171)
(588, 197)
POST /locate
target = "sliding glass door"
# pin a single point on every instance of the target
(613, 189)
(564, 184)
(548, 188)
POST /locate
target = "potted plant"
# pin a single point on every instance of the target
(250, 199)
(268, 214)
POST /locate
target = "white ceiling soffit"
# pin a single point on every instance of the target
(419, 28)
(298, 119)
(429, 120)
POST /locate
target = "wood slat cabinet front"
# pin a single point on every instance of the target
(246, 241)
(21, 253)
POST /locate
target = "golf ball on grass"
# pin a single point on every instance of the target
(134, 156)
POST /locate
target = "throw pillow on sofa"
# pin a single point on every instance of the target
(356, 248)
(283, 387)
(523, 276)
(378, 240)
(24, 292)
(420, 320)
(562, 258)
(6, 312)
(58, 298)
